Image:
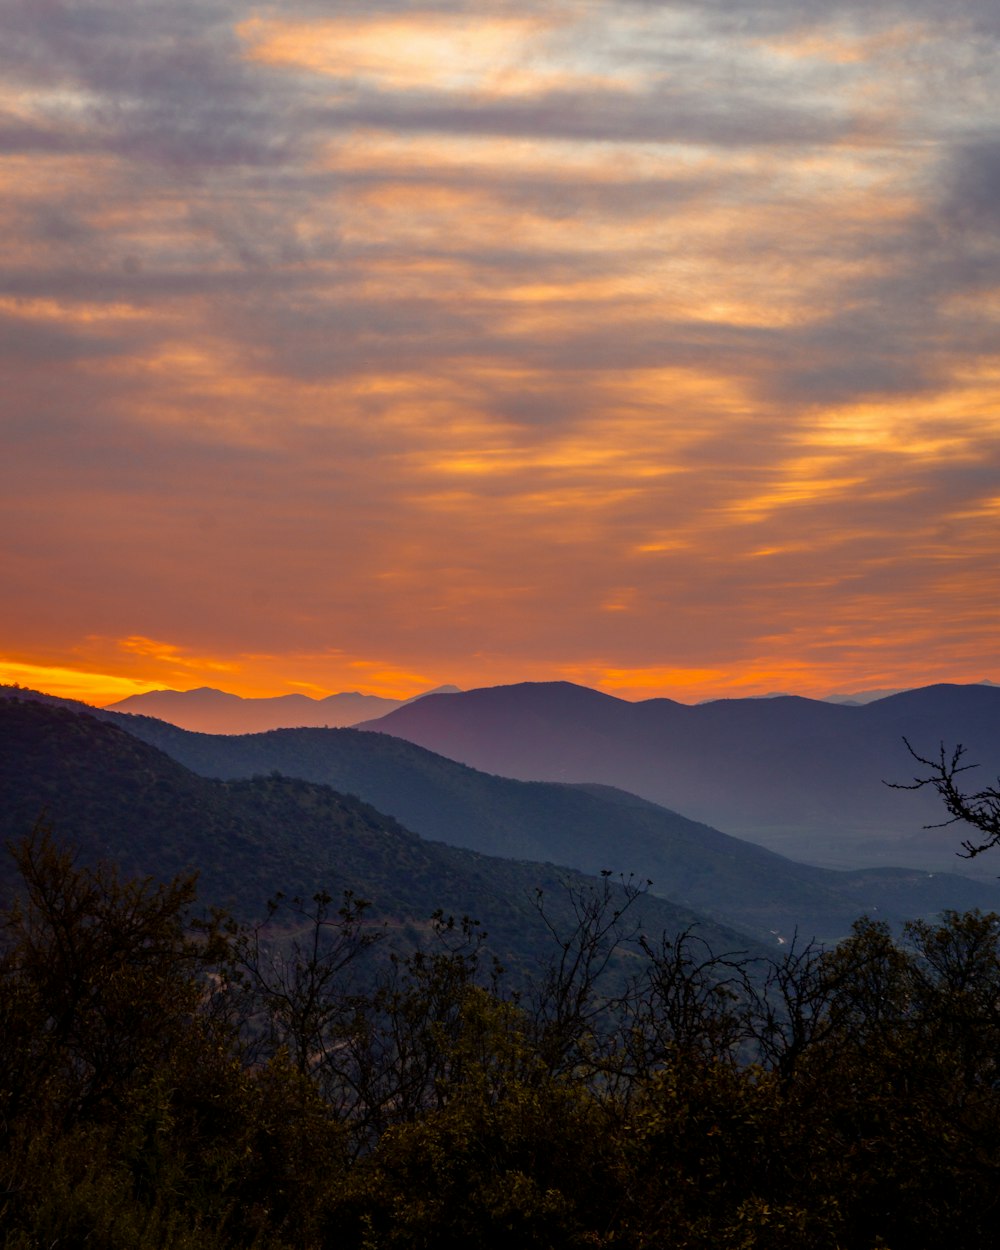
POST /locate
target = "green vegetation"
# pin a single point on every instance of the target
(175, 1081)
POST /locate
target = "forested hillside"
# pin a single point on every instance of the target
(587, 827)
(113, 796)
(328, 1072)
(170, 1084)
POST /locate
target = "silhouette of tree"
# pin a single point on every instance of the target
(979, 809)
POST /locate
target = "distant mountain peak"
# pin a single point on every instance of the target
(207, 710)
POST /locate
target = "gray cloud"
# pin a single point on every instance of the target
(664, 116)
(972, 199)
(152, 82)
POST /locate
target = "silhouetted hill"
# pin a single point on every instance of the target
(113, 796)
(801, 776)
(16, 691)
(215, 711)
(588, 827)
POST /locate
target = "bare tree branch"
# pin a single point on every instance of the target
(980, 809)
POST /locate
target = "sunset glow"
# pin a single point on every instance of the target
(651, 347)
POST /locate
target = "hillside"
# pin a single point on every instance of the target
(588, 827)
(148, 1103)
(113, 796)
(800, 776)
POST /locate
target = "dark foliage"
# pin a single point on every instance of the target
(175, 1081)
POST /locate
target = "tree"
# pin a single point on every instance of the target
(573, 1006)
(129, 1118)
(101, 979)
(688, 1001)
(295, 974)
(979, 809)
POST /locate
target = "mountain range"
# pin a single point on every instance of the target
(586, 827)
(800, 776)
(110, 795)
(804, 777)
(207, 710)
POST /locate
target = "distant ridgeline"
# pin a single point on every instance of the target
(110, 795)
(214, 711)
(801, 776)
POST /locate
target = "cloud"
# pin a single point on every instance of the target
(615, 339)
(972, 200)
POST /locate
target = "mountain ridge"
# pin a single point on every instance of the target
(589, 827)
(801, 776)
(115, 797)
(206, 709)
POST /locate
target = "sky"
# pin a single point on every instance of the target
(371, 346)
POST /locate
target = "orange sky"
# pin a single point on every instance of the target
(650, 347)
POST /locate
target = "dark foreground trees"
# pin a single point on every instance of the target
(128, 1117)
(171, 1082)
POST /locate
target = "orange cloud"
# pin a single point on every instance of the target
(843, 47)
(442, 52)
(168, 653)
(71, 683)
(486, 347)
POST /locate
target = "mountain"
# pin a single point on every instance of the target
(860, 696)
(206, 710)
(869, 696)
(587, 827)
(800, 776)
(215, 711)
(113, 796)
